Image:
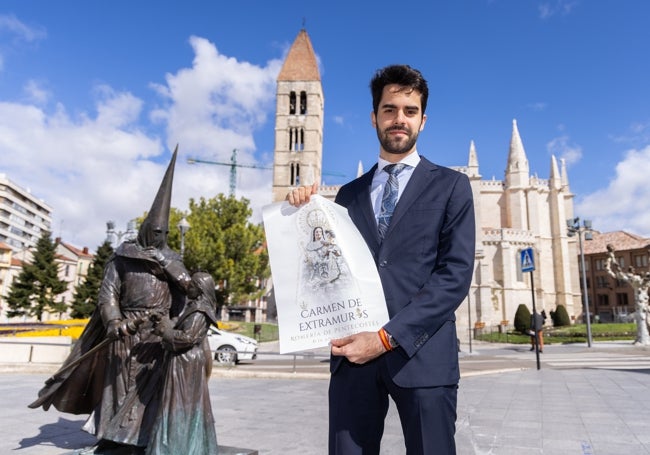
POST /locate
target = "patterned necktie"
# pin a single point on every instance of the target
(389, 199)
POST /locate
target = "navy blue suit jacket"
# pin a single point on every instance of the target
(425, 264)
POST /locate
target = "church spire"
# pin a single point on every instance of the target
(300, 64)
(555, 180)
(517, 174)
(517, 161)
(360, 169)
(472, 161)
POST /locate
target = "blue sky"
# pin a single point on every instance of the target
(95, 95)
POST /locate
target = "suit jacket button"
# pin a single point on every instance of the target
(383, 263)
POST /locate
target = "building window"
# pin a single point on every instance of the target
(603, 299)
(292, 103)
(295, 174)
(303, 103)
(621, 299)
(600, 264)
(641, 260)
(602, 282)
(296, 139)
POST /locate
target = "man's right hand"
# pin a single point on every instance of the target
(301, 195)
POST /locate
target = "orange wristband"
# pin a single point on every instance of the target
(384, 339)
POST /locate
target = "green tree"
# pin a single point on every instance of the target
(36, 287)
(222, 242)
(87, 292)
(560, 317)
(522, 318)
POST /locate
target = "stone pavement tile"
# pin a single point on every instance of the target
(640, 432)
(533, 426)
(553, 430)
(277, 416)
(504, 450)
(568, 446)
(618, 448)
(282, 416)
(571, 403)
(522, 440)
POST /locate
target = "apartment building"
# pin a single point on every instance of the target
(610, 299)
(23, 217)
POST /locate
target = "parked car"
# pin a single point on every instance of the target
(231, 347)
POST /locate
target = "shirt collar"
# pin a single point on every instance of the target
(412, 159)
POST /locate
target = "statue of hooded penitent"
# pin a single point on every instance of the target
(115, 370)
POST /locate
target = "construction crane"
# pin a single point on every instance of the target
(233, 168)
(234, 165)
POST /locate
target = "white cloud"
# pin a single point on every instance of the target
(625, 203)
(538, 106)
(562, 7)
(561, 147)
(86, 171)
(20, 31)
(214, 106)
(36, 93)
(637, 134)
(15, 33)
(92, 167)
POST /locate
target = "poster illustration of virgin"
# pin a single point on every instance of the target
(324, 268)
(325, 281)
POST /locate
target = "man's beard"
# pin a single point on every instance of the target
(393, 146)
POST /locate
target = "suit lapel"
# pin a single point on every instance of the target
(364, 216)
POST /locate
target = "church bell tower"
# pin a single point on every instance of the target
(298, 153)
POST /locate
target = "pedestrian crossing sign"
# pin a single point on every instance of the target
(527, 260)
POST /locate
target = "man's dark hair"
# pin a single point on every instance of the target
(402, 75)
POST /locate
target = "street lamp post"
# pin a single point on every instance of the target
(573, 228)
(115, 238)
(183, 226)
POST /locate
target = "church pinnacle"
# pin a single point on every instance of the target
(517, 174)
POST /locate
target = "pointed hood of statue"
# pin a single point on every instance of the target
(158, 216)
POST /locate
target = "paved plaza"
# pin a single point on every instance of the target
(581, 401)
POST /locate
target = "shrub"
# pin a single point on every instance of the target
(560, 317)
(522, 318)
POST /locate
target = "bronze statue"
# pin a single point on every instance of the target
(640, 283)
(185, 424)
(119, 381)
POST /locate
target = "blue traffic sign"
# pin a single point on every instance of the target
(527, 260)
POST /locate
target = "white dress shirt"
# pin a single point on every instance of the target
(380, 179)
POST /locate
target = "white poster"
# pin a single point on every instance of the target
(324, 276)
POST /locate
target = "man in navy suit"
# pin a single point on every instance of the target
(418, 220)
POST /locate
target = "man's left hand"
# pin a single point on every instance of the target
(358, 348)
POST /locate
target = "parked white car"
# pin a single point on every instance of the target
(231, 347)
